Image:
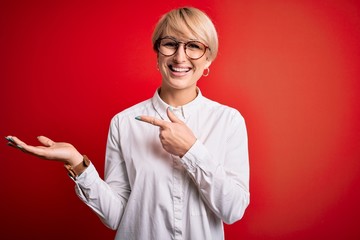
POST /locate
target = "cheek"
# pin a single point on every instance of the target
(163, 69)
(199, 67)
(162, 63)
(162, 66)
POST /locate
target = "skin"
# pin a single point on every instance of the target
(175, 137)
(178, 88)
(50, 150)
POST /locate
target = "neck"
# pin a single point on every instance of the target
(177, 98)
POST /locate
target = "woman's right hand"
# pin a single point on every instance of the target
(56, 151)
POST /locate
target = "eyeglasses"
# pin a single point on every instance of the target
(168, 46)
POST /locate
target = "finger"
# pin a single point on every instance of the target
(16, 141)
(46, 141)
(10, 140)
(152, 120)
(38, 151)
(172, 116)
(11, 144)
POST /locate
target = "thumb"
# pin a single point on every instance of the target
(46, 141)
(172, 116)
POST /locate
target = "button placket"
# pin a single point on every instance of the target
(177, 199)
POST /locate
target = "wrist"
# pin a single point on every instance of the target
(75, 160)
(75, 170)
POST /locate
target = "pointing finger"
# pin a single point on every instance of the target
(152, 120)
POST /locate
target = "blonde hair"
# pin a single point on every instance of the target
(178, 21)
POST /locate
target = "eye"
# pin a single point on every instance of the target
(194, 46)
(169, 44)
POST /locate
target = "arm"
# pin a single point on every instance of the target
(222, 183)
(106, 199)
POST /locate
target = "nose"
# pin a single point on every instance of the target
(180, 55)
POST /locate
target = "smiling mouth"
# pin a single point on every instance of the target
(179, 69)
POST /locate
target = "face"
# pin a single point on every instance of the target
(178, 71)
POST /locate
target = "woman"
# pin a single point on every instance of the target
(176, 164)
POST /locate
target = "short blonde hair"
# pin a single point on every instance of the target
(179, 20)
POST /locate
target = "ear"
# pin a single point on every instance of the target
(208, 63)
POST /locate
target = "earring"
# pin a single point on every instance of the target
(207, 73)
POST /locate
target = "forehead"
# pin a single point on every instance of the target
(180, 31)
(180, 36)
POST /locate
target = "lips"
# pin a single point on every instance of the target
(179, 69)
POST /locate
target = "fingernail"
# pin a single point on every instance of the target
(138, 118)
(9, 139)
(19, 147)
(170, 108)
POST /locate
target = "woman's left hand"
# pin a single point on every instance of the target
(175, 137)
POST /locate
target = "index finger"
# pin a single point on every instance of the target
(152, 120)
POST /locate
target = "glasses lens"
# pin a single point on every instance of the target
(195, 49)
(168, 46)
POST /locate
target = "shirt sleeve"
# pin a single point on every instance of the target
(106, 198)
(223, 183)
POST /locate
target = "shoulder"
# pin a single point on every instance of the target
(221, 110)
(228, 119)
(132, 112)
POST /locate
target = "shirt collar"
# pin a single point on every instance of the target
(183, 112)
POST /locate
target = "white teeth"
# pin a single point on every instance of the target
(180, 69)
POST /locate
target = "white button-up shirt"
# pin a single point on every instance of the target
(151, 194)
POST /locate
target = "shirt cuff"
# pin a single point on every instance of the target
(195, 156)
(87, 177)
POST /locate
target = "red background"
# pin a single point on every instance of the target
(291, 67)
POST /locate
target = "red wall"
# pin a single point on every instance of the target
(291, 67)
